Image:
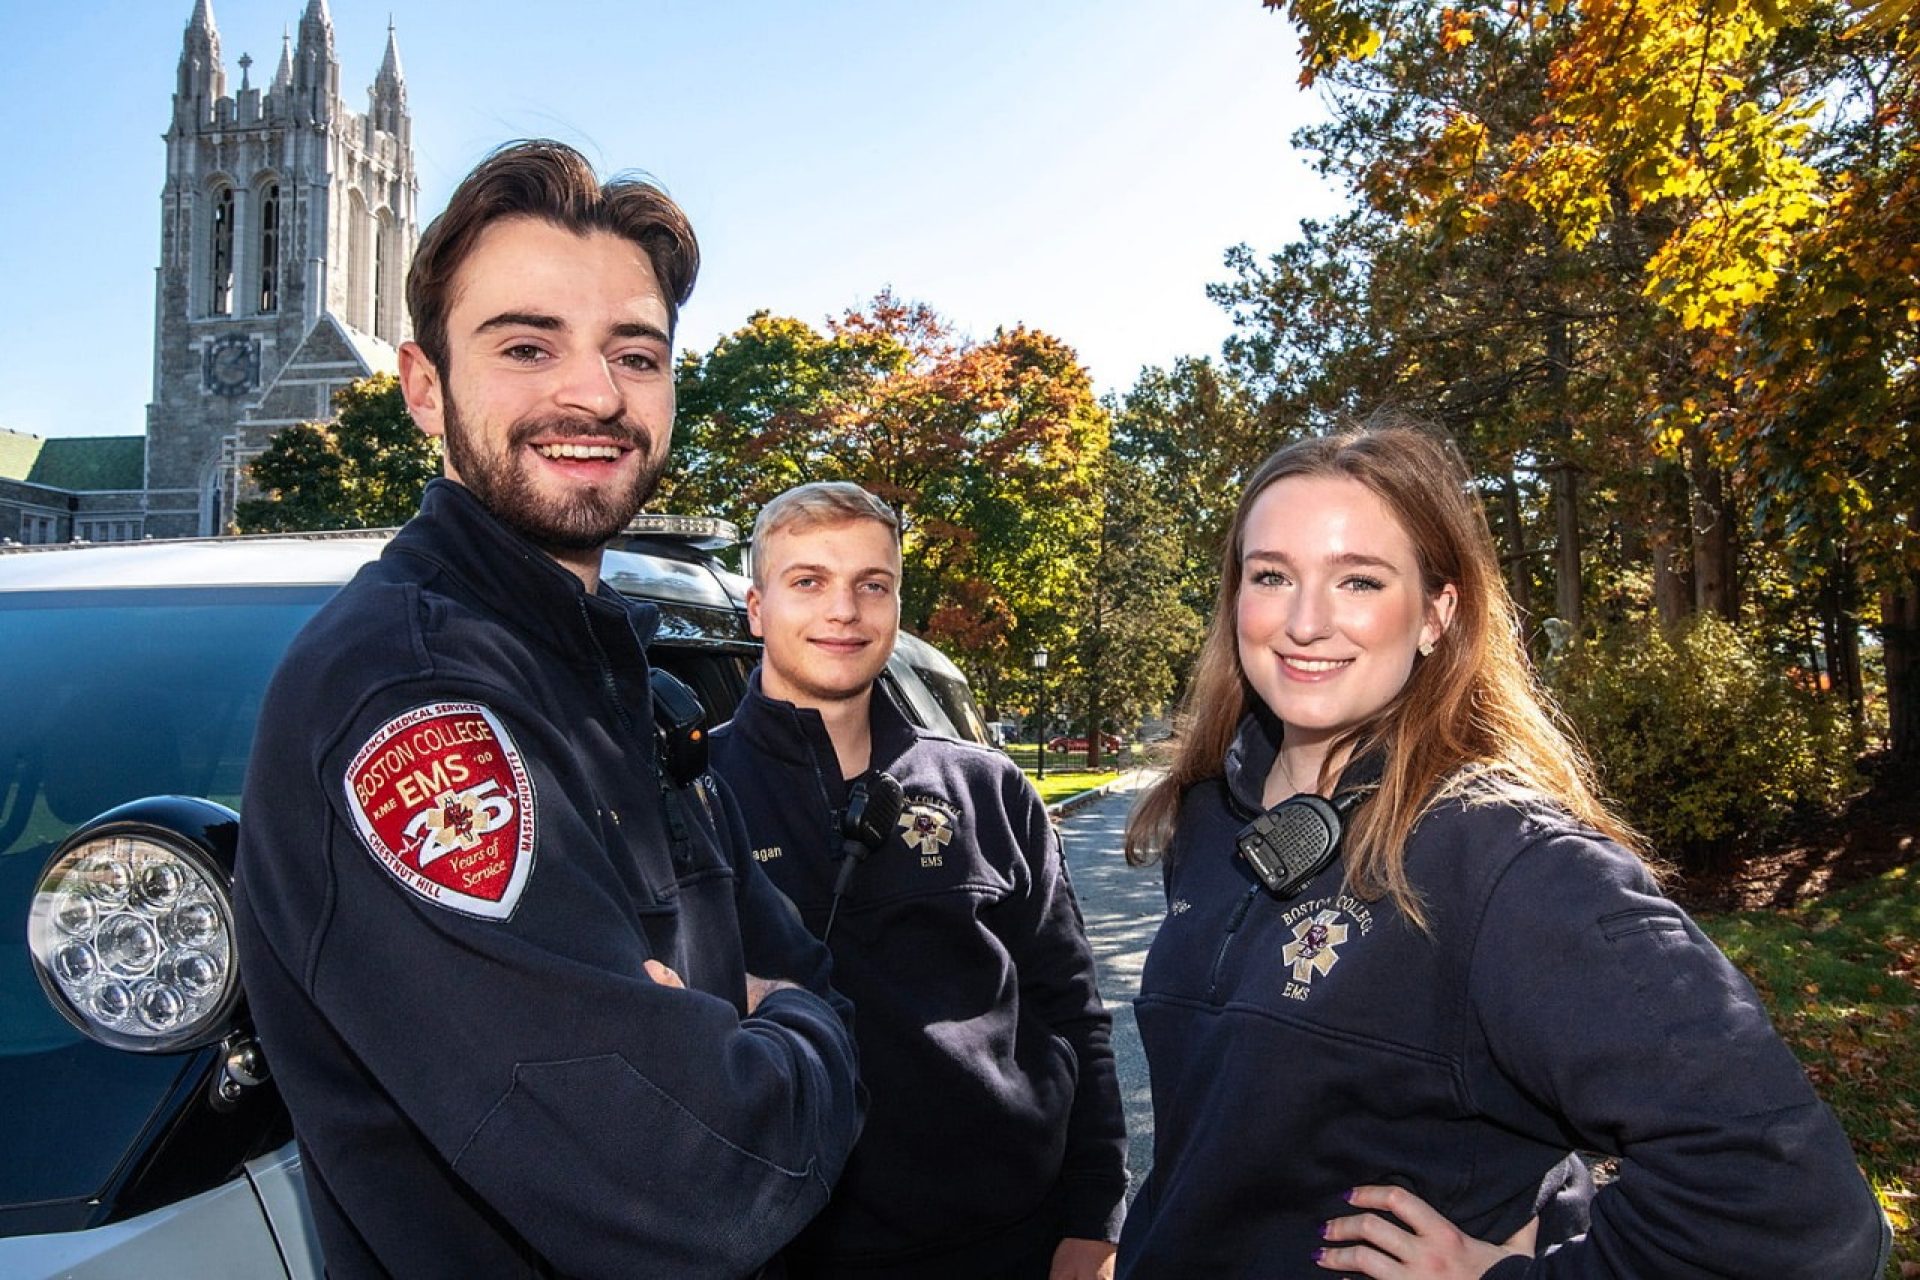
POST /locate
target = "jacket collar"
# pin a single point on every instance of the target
(1255, 747)
(504, 572)
(1257, 743)
(798, 735)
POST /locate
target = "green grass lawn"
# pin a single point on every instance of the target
(1058, 786)
(1067, 775)
(1841, 976)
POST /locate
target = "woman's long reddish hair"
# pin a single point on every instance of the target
(1470, 710)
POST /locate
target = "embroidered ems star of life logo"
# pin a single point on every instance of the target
(1312, 949)
(927, 828)
(442, 798)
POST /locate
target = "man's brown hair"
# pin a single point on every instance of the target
(554, 183)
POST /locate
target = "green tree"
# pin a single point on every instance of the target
(751, 414)
(1662, 108)
(1824, 370)
(1008, 512)
(364, 470)
(1137, 635)
(1744, 169)
(1190, 435)
(1534, 350)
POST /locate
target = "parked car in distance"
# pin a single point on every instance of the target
(1067, 746)
(144, 1133)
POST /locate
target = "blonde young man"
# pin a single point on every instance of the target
(995, 1142)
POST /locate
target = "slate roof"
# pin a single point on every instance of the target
(78, 464)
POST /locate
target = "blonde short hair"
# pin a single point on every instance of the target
(817, 503)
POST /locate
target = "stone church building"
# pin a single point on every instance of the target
(287, 221)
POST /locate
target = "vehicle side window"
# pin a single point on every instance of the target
(912, 696)
(956, 701)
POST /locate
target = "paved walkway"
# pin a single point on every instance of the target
(1123, 907)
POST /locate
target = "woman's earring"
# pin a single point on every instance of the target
(1426, 648)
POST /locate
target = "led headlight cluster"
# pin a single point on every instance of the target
(132, 935)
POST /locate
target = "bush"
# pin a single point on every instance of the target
(1700, 738)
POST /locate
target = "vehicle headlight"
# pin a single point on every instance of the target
(132, 928)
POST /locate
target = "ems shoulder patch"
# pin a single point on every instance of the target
(442, 798)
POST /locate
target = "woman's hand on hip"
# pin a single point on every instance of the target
(1421, 1245)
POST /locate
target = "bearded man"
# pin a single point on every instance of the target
(533, 1006)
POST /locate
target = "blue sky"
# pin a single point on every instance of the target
(1072, 165)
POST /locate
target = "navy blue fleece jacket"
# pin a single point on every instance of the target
(983, 1042)
(1300, 1047)
(457, 854)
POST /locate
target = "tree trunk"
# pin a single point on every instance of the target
(990, 686)
(1840, 629)
(1095, 698)
(1566, 482)
(1672, 567)
(1847, 617)
(1566, 520)
(1712, 535)
(1519, 576)
(1900, 631)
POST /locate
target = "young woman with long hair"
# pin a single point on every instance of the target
(1412, 962)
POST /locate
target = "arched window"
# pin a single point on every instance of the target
(269, 299)
(220, 301)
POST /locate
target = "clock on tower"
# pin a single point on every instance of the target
(232, 366)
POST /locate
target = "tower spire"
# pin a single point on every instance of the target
(316, 30)
(389, 92)
(200, 76)
(316, 72)
(283, 77)
(390, 65)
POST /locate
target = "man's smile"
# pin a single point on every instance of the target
(579, 449)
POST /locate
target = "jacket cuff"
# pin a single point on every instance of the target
(1093, 1210)
(1507, 1269)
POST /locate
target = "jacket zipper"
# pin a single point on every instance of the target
(1233, 926)
(608, 684)
(680, 840)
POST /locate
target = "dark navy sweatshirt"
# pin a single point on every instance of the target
(983, 1042)
(457, 854)
(1303, 1046)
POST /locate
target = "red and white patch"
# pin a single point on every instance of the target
(442, 798)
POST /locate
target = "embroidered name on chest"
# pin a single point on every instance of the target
(1319, 929)
(927, 825)
(441, 797)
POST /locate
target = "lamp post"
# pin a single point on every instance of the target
(1040, 739)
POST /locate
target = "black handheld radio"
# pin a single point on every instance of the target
(874, 806)
(1295, 840)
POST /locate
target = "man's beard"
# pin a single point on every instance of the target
(586, 520)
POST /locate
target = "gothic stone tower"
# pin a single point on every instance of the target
(286, 225)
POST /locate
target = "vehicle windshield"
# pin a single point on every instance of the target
(108, 696)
